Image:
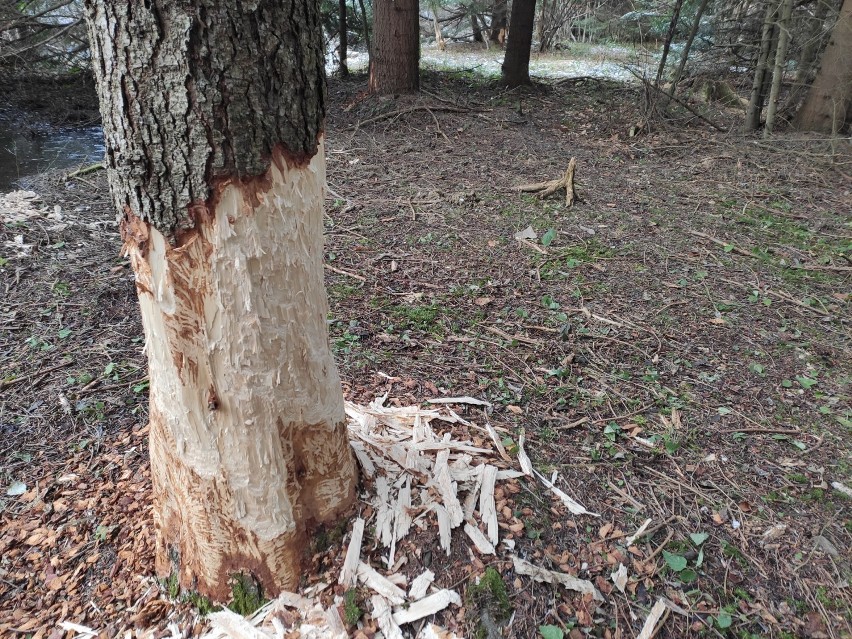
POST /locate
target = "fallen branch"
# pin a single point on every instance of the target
(97, 166)
(725, 245)
(551, 186)
(420, 107)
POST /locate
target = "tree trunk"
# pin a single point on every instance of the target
(755, 105)
(395, 64)
(477, 31)
(780, 64)
(828, 105)
(808, 54)
(344, 40)
(516, 63)
(684, 56)
(668, 42)
(498, 21)
(213, 116)
(366, 31)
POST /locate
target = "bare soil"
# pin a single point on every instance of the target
(676, 346)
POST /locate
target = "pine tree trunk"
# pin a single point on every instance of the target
(477, 31)
(395, 64)
(755, 105)
(344, 40)
(828, 105)
(498, 21)
(780, 65)
(516, 63)
(213, 116)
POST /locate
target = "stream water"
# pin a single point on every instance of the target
(26, 153)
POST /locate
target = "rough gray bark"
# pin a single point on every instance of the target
(828, 105)
(215, 85)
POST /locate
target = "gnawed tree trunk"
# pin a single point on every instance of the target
(477, 30)
(516, 63)
(828, 105)
(395, 63)
(213, 115)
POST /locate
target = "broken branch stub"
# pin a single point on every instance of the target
(551, 186)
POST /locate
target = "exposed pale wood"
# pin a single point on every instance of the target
(403, 514)
(349, 572)
(523, 567)
(479, 540)
(459, 400)
(632, 538)
(427, 606)
(382, 585)
(487, 507)
(436, 632)
(420, 585)
(650, 626)
(447, 489)
(444, 527)
(523, 458)
(497, 442)
(234, 625)
(573, 506)
(384, 617)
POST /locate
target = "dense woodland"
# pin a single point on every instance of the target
(355, 345)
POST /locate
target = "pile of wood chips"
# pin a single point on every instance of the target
(422, 467)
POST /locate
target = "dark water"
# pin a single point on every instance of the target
(26, 153)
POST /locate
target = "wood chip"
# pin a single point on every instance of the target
(234, 625)
(553, 577)
(444, 484)
(650, 627)
(381, 585)
(487, 506)
(573, 506)
(498, 443)
(459, 400)
(420, 585)
(427, 606)
(523, 458)
(383, 616)
(402, 514)
(444, 528)
(619, 577)
(349, 572)
(632, 538)
(479, 540)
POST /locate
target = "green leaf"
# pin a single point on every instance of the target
(3, 261)
(806, 382)
(688, 576)
(700, 559)
(108, 369)
(786, 383)
(757, 368)
(551, 632)
(611, 431)
(724, 620)
(724, 410)
(548, 237)
(699, 538)
(798, 444)
(728, 248)
(64, 332)
(675, 562)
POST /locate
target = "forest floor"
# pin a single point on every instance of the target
(676, 345)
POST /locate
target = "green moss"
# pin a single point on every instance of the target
(247, 595)
(201, 603)
(489, 603)
(351, 610)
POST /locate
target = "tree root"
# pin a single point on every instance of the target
(551, 186)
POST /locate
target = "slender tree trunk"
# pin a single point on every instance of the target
(755, 105)
(542, 26)
(344, 40)
(498, 21)
(828, 105)
(215, 162)
(516, 63)
(780, 64)
(366, 32)
(477, 31)
(668, 43)
(688, 46)
(439, 37)
(395, 65)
